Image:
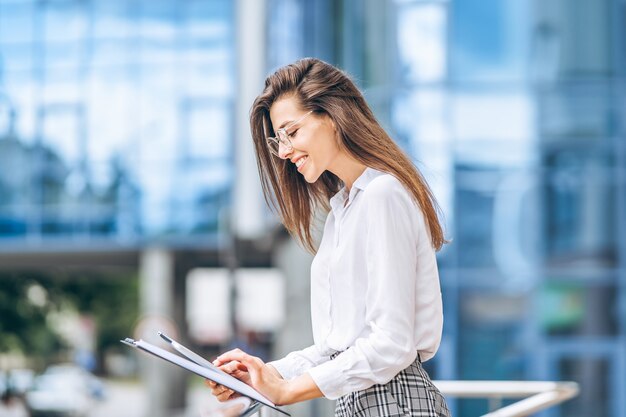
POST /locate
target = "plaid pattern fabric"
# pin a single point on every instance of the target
(409, 394)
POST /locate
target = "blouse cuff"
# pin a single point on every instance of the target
(330, 379)
(298, 362)
(284, 366)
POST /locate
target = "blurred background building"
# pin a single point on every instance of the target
(129, 200)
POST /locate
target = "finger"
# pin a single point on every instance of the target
(224, 396)
(222, 359)
(239, 374)
(231, 366)
(241, 356)
(210, 383)
(217, 389)
(217, 392)
(237, 368)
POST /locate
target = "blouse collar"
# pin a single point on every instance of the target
(338, 201)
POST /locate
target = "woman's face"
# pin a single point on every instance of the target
(314, 142)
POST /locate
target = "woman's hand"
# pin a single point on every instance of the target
(233, 368)
(221, 392)
(254, 372)
(264, 378)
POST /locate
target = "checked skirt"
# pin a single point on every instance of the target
(411, 393)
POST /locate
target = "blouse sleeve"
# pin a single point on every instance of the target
(298, 362)
(394, 227)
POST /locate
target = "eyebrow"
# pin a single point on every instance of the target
(290, 122)
(286, 123)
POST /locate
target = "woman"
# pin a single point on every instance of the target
(375, 295)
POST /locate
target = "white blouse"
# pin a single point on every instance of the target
(375, 292)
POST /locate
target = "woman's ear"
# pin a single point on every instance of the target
(337, 136)
(334, 126)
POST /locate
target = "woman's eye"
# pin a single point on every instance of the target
(293, 134)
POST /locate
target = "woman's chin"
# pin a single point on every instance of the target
(311, 178)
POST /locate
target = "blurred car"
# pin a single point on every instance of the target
(3, 384)
(94, 385)
(63, 391)
(21, 380)
(58, 395)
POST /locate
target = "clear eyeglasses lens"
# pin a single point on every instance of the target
(273, 145)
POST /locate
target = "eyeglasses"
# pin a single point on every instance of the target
(283, 138)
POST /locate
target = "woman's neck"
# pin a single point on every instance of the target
(347, 169)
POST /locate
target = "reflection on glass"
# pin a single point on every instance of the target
(423, 24)
(64, 21)
(100, 89)
(17, 20)
(595, 376)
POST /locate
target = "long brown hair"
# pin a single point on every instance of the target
(324, 89)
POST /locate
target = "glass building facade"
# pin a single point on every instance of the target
(116, 119)
(116, 127)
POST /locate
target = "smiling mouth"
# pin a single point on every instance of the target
(301, 161)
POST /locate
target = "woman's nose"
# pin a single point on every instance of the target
(284, 151)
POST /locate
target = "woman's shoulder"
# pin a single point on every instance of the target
(386, 185)
(387, 197)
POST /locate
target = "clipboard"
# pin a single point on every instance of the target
(237, 407)
(191, 355)
(204, 369)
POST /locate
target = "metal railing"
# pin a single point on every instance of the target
(537, 395)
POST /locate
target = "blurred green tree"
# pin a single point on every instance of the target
(28, 298)
(113, 301)
(23, 327)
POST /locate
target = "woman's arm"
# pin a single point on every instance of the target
(266, 379)
(298, 362)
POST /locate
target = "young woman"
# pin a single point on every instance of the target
(375, 295)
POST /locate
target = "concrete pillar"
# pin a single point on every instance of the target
(249, 214)
(165, 383)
